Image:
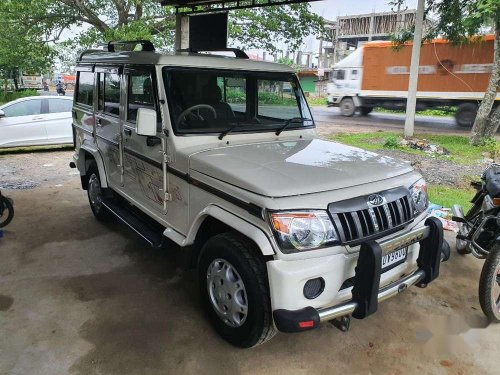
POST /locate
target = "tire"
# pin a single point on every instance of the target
(347, 107)
(95, 195)
(7, 212)
(445, 251)
(466, 114)
(365, 110)
(248, 276)
(489, 285)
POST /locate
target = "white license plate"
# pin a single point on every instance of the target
(393, 259)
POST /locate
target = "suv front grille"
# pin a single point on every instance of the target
(357, 220)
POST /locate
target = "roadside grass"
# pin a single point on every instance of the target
(458, 146)
(316, 101)
(13, 95)
(445, 112)
(29, 149)
(447, 196)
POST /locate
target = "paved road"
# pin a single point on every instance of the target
(85, 298)
(330, 119)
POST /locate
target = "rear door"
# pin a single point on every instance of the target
(58, 120)
(108, 122)
(23, 124)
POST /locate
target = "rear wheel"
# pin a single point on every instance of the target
(347, 107)
(6, 211)
(489, 285)
(234, 289)
(96, 195)
(466, 114)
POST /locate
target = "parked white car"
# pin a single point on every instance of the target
(35, 121)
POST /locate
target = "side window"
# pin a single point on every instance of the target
(60, 105)
(140, 94)
(24, 108)
(108, 99)
(85, 91)
(339, 75)
(354, 74)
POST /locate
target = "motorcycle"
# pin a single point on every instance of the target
(479, 235)
(6, 210)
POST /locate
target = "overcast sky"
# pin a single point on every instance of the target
(331, 9)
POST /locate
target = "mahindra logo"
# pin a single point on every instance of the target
(375, 199)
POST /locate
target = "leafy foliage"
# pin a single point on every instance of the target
(97, 21)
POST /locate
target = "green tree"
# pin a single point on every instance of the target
(460, 21)
(21, 49)
(97, 21)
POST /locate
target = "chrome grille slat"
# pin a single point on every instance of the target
(359, 221)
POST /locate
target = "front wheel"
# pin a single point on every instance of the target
(6, 211)
(234, 290)
(489, 285)
(347, 107)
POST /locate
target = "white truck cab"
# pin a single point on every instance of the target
(220, 155)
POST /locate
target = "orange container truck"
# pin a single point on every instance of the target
(377, 74)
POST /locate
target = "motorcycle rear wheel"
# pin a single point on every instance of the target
(489, 285)
(6, 211)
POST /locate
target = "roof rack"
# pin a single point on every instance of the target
(237, 52)
(130, 45)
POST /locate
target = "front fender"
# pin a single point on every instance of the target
(83, 160)
(244, 227)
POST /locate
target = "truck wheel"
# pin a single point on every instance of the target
(366, 110)
(95, 194)
(489, 285)
(234, 290)
(347, 107)
(466, 114)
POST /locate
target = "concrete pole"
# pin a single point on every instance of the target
(415, 59)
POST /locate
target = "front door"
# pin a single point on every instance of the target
(23, 124)
(143, 156)
(108, 122)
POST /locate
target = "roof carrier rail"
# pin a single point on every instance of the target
(145, 44)
(237, 52)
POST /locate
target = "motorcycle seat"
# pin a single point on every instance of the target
(492, 181)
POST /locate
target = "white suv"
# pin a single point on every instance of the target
(220, 155)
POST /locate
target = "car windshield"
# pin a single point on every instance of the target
(214, 101)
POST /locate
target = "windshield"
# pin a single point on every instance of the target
(213, 101)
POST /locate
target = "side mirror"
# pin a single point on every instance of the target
(2, 113)
(146, 122)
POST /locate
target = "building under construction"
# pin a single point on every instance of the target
(348, 32)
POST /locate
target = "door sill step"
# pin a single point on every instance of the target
(150, 232)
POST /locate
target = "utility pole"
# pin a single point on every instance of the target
(415, 59)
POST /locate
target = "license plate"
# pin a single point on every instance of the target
(393, 259)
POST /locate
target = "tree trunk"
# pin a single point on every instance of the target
(493, 123)
(483, 127)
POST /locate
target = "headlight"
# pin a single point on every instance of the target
(419, 195)
(302, 230)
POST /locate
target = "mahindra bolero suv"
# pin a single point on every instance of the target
(220, 155)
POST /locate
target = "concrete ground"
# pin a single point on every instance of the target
(81, 297)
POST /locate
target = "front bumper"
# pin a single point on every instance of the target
(366, 292)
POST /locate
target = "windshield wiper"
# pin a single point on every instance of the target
(294, 120)
(229, 130)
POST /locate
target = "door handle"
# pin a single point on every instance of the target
(127, 132)
(38, 118)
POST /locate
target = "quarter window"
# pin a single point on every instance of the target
(85, 91)
(24, 108)
(140, 94)
(354, 74)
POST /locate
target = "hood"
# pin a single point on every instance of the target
(278, 169)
